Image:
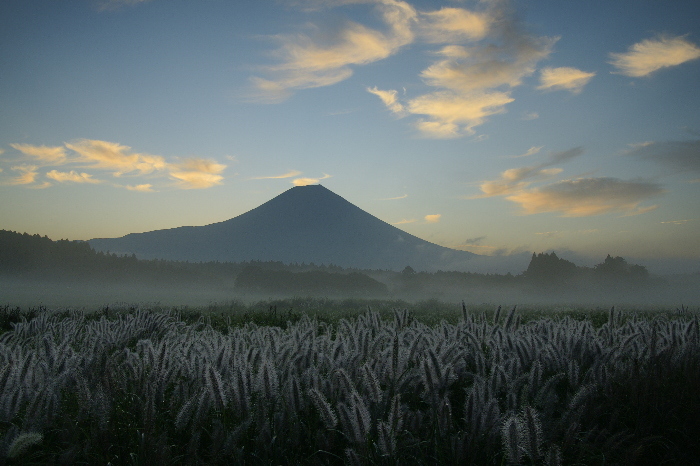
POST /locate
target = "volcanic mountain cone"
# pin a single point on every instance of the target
(303, 224)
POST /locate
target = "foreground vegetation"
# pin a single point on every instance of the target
(130, 386)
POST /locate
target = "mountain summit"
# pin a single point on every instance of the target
(303, 224)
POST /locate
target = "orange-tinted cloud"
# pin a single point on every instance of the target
(454, 25)
(647, 56)
(28, 174)
(49, 155)
(569, 79)
(197, 173)
(309, 61)
(433, 218)
(308, 181)
(487, 54)
(514, 180)
(113, 156)
(388, 98)
(145, 188)
(289, 174)
(588, 196)
(71, 176)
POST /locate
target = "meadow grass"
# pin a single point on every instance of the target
(317, 381)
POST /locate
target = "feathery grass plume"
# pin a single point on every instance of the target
(345, 384)
(215, 387)
(509, 323)
(395, 414)
(490, 416)
(295, 401)
(533, 433)
(497, 315)
(511, 436)
(374, 390)
(184, 415)
(24, 442)
(359, 418)
(429, 378)
(268, 382)
(328, 417)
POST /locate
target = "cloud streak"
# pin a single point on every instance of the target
(647, 56)
(309, 61)
(49, 155)
(120, 160)
(483, 56)
(308, 181)
(197, 173)
(27, 175)
(394, 198)
(568, 79)
(113, 156)
(681, 156)
(289, 174)
(579, 197)
(483, 53)
(71, 176)
(516, 179)
(585, 197)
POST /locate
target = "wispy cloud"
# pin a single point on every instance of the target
(49, 155)
(531, 151)
(308, 181)
(681, 156)
(474, 241)
(144, 188)
(113, 156)
(454, 25)
(118, 159)
(394, 198)
(389, 99)
(514, 180)
(676, 222)
(571, 198)
(71, 176)
(483, 53)
(647, 56)
(197, 173)
(588, 196)
(432, 218)
(403, 221)
(569, 79)
(289, 174)
(27, 175)
(309, 60)
(483, 56)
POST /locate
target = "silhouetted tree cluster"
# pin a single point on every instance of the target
(617, 269)
(548, 268)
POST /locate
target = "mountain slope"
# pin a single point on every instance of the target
(303, 224)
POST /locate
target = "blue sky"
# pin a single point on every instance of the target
(498, 127)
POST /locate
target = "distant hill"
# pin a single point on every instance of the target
(303, 224)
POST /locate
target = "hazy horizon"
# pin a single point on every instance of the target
(495, 127)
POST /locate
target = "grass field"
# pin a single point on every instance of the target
(318, 381)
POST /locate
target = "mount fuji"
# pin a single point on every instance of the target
(303, 224)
